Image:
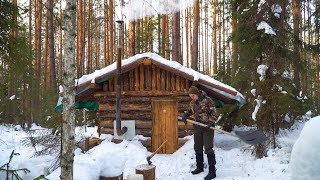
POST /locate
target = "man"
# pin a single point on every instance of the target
(203, 109)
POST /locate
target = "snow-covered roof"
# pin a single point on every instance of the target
(203, 80)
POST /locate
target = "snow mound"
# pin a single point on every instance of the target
(305, 156)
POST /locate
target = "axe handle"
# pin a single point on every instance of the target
(213, 128)
(154, 153)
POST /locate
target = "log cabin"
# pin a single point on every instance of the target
(153, 89)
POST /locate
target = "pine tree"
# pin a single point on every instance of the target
(16, 71)
(275, 91)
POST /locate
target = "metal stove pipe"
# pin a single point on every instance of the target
(119, 78)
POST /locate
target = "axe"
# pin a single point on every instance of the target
(154, 153)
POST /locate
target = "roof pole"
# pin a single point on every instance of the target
(119, 77)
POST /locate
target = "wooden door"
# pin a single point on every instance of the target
(164, 125)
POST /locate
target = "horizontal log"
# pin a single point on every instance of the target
(135, 107)
(141, 93)
(147, 142)
(146, 132)
(125, 107)
(127, 99)
(108, 119)
(185, 133)
(129, 115)
(86, 96)
(139, 124)
(106, 130)
(124, 116)
(183, 126)
(183, 105)
(106, 99)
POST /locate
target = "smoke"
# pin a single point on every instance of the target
(137, 9)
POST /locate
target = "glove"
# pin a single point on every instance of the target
(210, 124)
(184, 118)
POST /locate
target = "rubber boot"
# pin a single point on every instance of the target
(199, 160)
(212, 166)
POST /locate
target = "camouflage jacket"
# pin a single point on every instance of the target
(203, 109)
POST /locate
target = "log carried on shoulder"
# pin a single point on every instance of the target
(251, 137)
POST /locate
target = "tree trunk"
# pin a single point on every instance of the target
(219, 36)
(223, 40)
(46, 52)
(176, 37)
(89, 48)
(53, 77)
(234, 42)
(106, 34)
(111, 31)
(61, 41)
(165, 36)
(80, 38)
(138, 39)
(37, 64)
(30, 21)
(97, 46)
(206, 39)
(214, 42)
(187, 37)
(132, 37)
(12, 87)
(296, 46)
(38, 22)
(201, 40)
(195, 39)
(68, 125)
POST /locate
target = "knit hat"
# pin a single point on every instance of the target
(193, 90)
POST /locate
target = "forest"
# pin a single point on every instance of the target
(228, 40)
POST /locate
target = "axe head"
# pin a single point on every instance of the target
(149, 161)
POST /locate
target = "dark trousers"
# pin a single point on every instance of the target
(203, 137)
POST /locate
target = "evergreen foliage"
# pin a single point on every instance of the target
(147, 34)
(18, 77)
(281, 101)
(41, 177)
(12, 173)
(44, 141)
(16, 67)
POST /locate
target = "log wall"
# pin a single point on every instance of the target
(140, 86)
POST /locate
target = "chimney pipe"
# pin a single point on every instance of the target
(119, 77)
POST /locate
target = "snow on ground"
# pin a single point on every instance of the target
(305, 157)
(234, 160)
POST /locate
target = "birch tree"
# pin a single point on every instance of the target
(68, 124)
